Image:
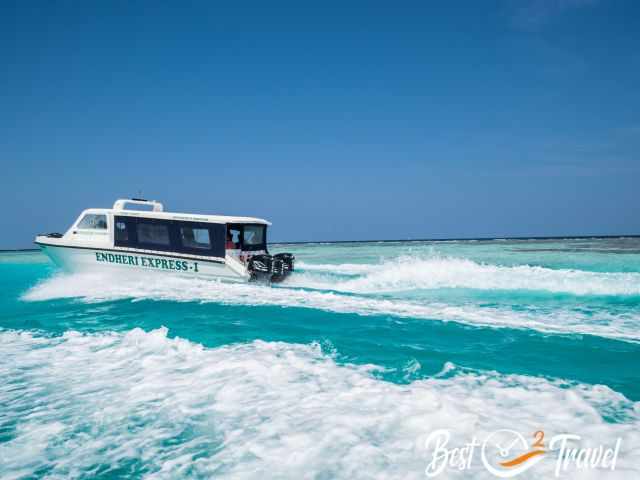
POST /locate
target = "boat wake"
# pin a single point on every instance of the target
(418, 273)
(140, 400)
(137, 286)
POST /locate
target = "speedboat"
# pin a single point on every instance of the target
(138, 234)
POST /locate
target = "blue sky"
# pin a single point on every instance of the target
(335, 120)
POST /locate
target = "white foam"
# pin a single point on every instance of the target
(158, 286)
(433, 272)
(265, 410)
(339, 268)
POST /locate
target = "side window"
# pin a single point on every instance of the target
(121, 233)
(253, 235)
(195, 238)
(93, 221)
(153, 234)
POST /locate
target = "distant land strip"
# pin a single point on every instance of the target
(479, 239)
(408, 240)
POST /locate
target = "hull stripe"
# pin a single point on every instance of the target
(138, 252)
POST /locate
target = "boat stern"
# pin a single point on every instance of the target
(271, 268)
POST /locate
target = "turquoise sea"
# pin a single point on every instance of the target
(340, 372)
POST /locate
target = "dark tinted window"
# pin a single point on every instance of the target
(121, 233)
(253, 235)
(153, 233)
(175, 236)
(195, 238)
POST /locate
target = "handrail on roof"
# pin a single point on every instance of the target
(121, 202)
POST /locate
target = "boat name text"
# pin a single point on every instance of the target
(142, 261)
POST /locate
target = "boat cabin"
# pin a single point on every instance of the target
(156, 230)
(230, 248)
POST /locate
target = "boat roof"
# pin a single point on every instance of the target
(119, 207)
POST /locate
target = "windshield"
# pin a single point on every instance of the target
(93, 221)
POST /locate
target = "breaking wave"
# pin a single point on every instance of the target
(142, 404)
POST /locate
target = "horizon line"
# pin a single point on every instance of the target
(462, 239)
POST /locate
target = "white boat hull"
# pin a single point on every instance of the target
(215, 246)
(89, 259)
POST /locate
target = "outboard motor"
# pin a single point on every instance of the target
(270, 268)
(260, 267)
(282, 266)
